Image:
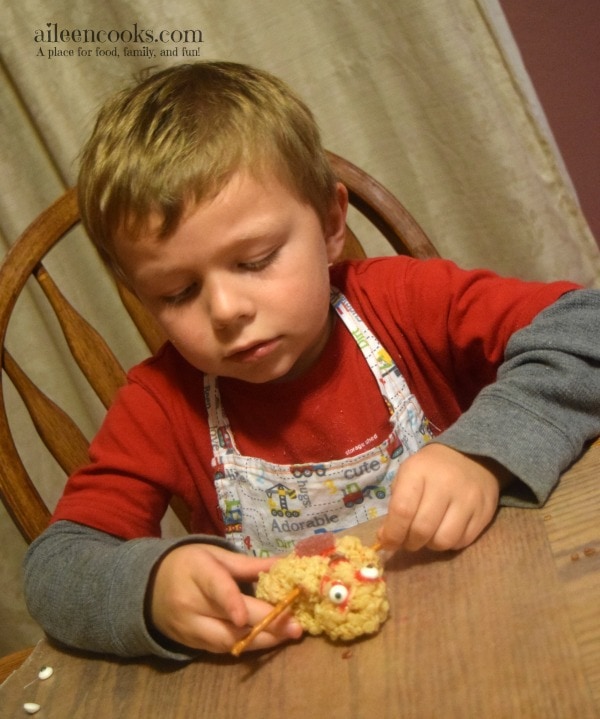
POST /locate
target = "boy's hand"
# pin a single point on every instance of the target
(196, 601)
(441, 499)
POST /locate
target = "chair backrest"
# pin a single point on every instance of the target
(56, 429)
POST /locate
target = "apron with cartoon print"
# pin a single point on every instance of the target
(268, 507)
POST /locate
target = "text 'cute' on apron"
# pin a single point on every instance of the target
(268, 507)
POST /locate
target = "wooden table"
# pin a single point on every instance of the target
(510, 627)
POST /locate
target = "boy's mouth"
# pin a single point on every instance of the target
(255, 351)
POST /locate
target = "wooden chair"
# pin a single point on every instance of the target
(56, 429)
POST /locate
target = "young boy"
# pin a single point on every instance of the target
(292, 385)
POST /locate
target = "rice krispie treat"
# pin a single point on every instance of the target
(342, 590)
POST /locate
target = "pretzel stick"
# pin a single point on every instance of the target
(239, 647)
(283, 604)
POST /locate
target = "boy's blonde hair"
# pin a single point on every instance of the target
(177, 137)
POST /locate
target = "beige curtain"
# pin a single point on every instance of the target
(427, 95)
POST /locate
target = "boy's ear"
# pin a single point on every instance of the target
(335, 227)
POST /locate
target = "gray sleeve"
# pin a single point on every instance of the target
(545, 404)
(87, 589)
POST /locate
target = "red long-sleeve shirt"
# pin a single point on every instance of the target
(445, 328)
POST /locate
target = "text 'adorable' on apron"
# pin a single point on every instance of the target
(268, 507)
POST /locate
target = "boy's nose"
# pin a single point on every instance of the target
(228, 304)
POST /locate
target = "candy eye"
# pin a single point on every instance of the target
(369, 572)
(338, 593)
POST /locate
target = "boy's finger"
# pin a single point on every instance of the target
(430, 516)
(222, 593)
(278, 626)
(219, 635)
(246, 568)
(403, 507)
(451, 530)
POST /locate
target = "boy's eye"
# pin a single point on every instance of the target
(181, 297)
(261, 263)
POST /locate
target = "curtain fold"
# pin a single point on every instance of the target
(429, 97)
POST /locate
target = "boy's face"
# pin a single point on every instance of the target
(241, 287)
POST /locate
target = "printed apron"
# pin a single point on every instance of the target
(268, 507)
